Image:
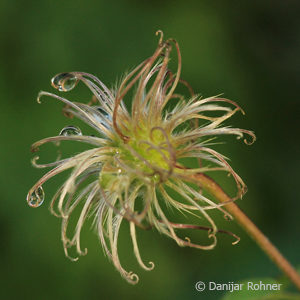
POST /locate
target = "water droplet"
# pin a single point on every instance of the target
(104, 113)
(37, 197)
(103, 116)
(64, 82)
(70, 130)
(156, 178)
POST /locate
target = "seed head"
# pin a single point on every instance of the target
(136, 165)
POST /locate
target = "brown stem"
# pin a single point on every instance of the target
(212, 187)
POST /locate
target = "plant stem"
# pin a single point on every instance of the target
(212, 187)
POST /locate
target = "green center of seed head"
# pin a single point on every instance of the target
(146, 152)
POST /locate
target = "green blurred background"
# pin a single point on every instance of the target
(248, 50)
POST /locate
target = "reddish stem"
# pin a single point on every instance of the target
(212, 187)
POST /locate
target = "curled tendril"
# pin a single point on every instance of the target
(208, 229)
(160, 32)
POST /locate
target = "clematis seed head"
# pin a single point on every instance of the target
(135, 167)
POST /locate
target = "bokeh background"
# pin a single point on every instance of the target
(247, 50)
